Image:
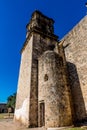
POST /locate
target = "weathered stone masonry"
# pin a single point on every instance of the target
(76, 56)
(53, 91)
(50, 89)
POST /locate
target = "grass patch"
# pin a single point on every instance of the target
(6, 115)
(77, 129)
(2, 115)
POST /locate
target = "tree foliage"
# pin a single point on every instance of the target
(11, 100)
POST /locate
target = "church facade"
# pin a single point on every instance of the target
(52, 85)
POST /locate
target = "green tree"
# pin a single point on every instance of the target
(11, 100)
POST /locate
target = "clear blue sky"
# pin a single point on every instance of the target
(14, 15)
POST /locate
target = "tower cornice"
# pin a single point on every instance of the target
(35, 30)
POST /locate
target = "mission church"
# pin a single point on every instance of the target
(52, 85)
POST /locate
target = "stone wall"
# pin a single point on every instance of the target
(75, 44)
(40, 45)
(24, 83)
(53, 91)
(27, 93)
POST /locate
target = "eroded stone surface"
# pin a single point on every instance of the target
(53, 92)
(51, 88)
(76, 56)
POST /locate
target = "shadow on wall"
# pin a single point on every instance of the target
(77, 96)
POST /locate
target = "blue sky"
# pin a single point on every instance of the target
(14, 15)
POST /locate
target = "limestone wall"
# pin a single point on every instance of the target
(27, 93)
(40, 44)
(24, 83)
(53, 91)
(75, 44)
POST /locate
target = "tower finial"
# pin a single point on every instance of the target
(86, 7)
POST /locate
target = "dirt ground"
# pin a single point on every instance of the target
(8, 124)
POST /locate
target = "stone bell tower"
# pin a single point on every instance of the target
(40, 33)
